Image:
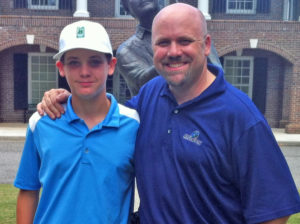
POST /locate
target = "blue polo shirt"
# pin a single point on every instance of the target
(86, 175)
(212, 159)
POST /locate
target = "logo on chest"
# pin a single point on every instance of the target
(193, 137)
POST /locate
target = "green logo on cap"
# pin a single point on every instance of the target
(80, 32)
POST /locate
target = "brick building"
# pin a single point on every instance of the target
(258, 42)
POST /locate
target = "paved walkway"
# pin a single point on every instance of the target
(285, 139)
(13, 130)
(18, 131)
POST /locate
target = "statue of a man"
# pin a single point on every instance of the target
(135, 55)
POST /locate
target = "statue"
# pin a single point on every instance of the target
(135, 55)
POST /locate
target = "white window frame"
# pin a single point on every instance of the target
(43, 7)
(118, 10)
(241, 11)
(118, 5)
(30, 55)
(245, 58)
(288, 10)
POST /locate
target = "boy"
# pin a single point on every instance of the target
(83, 161)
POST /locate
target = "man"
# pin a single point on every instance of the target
(204, 153)
(83, 161)
(135, 55)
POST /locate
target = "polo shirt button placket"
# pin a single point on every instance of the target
(176, 111)
(85, 156)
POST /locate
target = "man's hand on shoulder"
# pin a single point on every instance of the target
(52, 103)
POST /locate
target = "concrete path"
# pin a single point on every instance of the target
(18, 130)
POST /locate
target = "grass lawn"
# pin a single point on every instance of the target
(294, 219)
(8, 198)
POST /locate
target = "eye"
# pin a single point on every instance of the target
(185, 42)
(162, 43)
(95, 62)
(73, 63)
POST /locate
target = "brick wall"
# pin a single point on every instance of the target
(274, 89)
(275, 38)
(46, 30)
(285, 92)
(101, 8)
(7, 111)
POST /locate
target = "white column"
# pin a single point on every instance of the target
(286, 10)
(81, 9)
(203, 7)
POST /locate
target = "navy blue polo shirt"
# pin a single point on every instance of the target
(212, 159)
(86, 175)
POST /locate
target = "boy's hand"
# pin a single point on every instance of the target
(52, 103)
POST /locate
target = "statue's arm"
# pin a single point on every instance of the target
(135, 70)
(141, 75)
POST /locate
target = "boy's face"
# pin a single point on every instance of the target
(86, 72)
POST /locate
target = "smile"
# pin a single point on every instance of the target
(177, 65)
(85, 83)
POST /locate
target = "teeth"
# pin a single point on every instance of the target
(175, 65)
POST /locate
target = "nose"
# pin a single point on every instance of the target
(174, 50)
(85, 69)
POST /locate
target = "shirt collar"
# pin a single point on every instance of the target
(218, 86)
(112, 119)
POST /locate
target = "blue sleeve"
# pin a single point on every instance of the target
(263, 177)
(133, 102)
(28, 174)
(147, 91)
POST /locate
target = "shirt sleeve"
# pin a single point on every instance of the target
(263, 177)
(133, 102)
(28, 173)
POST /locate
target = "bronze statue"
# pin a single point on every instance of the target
(135, 55)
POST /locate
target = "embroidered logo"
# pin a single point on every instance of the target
(193, 137)
(80, 32)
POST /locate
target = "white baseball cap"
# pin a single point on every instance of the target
(84, 35)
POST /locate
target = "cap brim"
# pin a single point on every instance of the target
(60, 54)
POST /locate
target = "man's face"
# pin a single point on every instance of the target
(180, 49)
(86, 72)
(143, 8)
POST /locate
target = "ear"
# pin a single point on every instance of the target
(207, 45)
(60, 67)
(112, 66)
